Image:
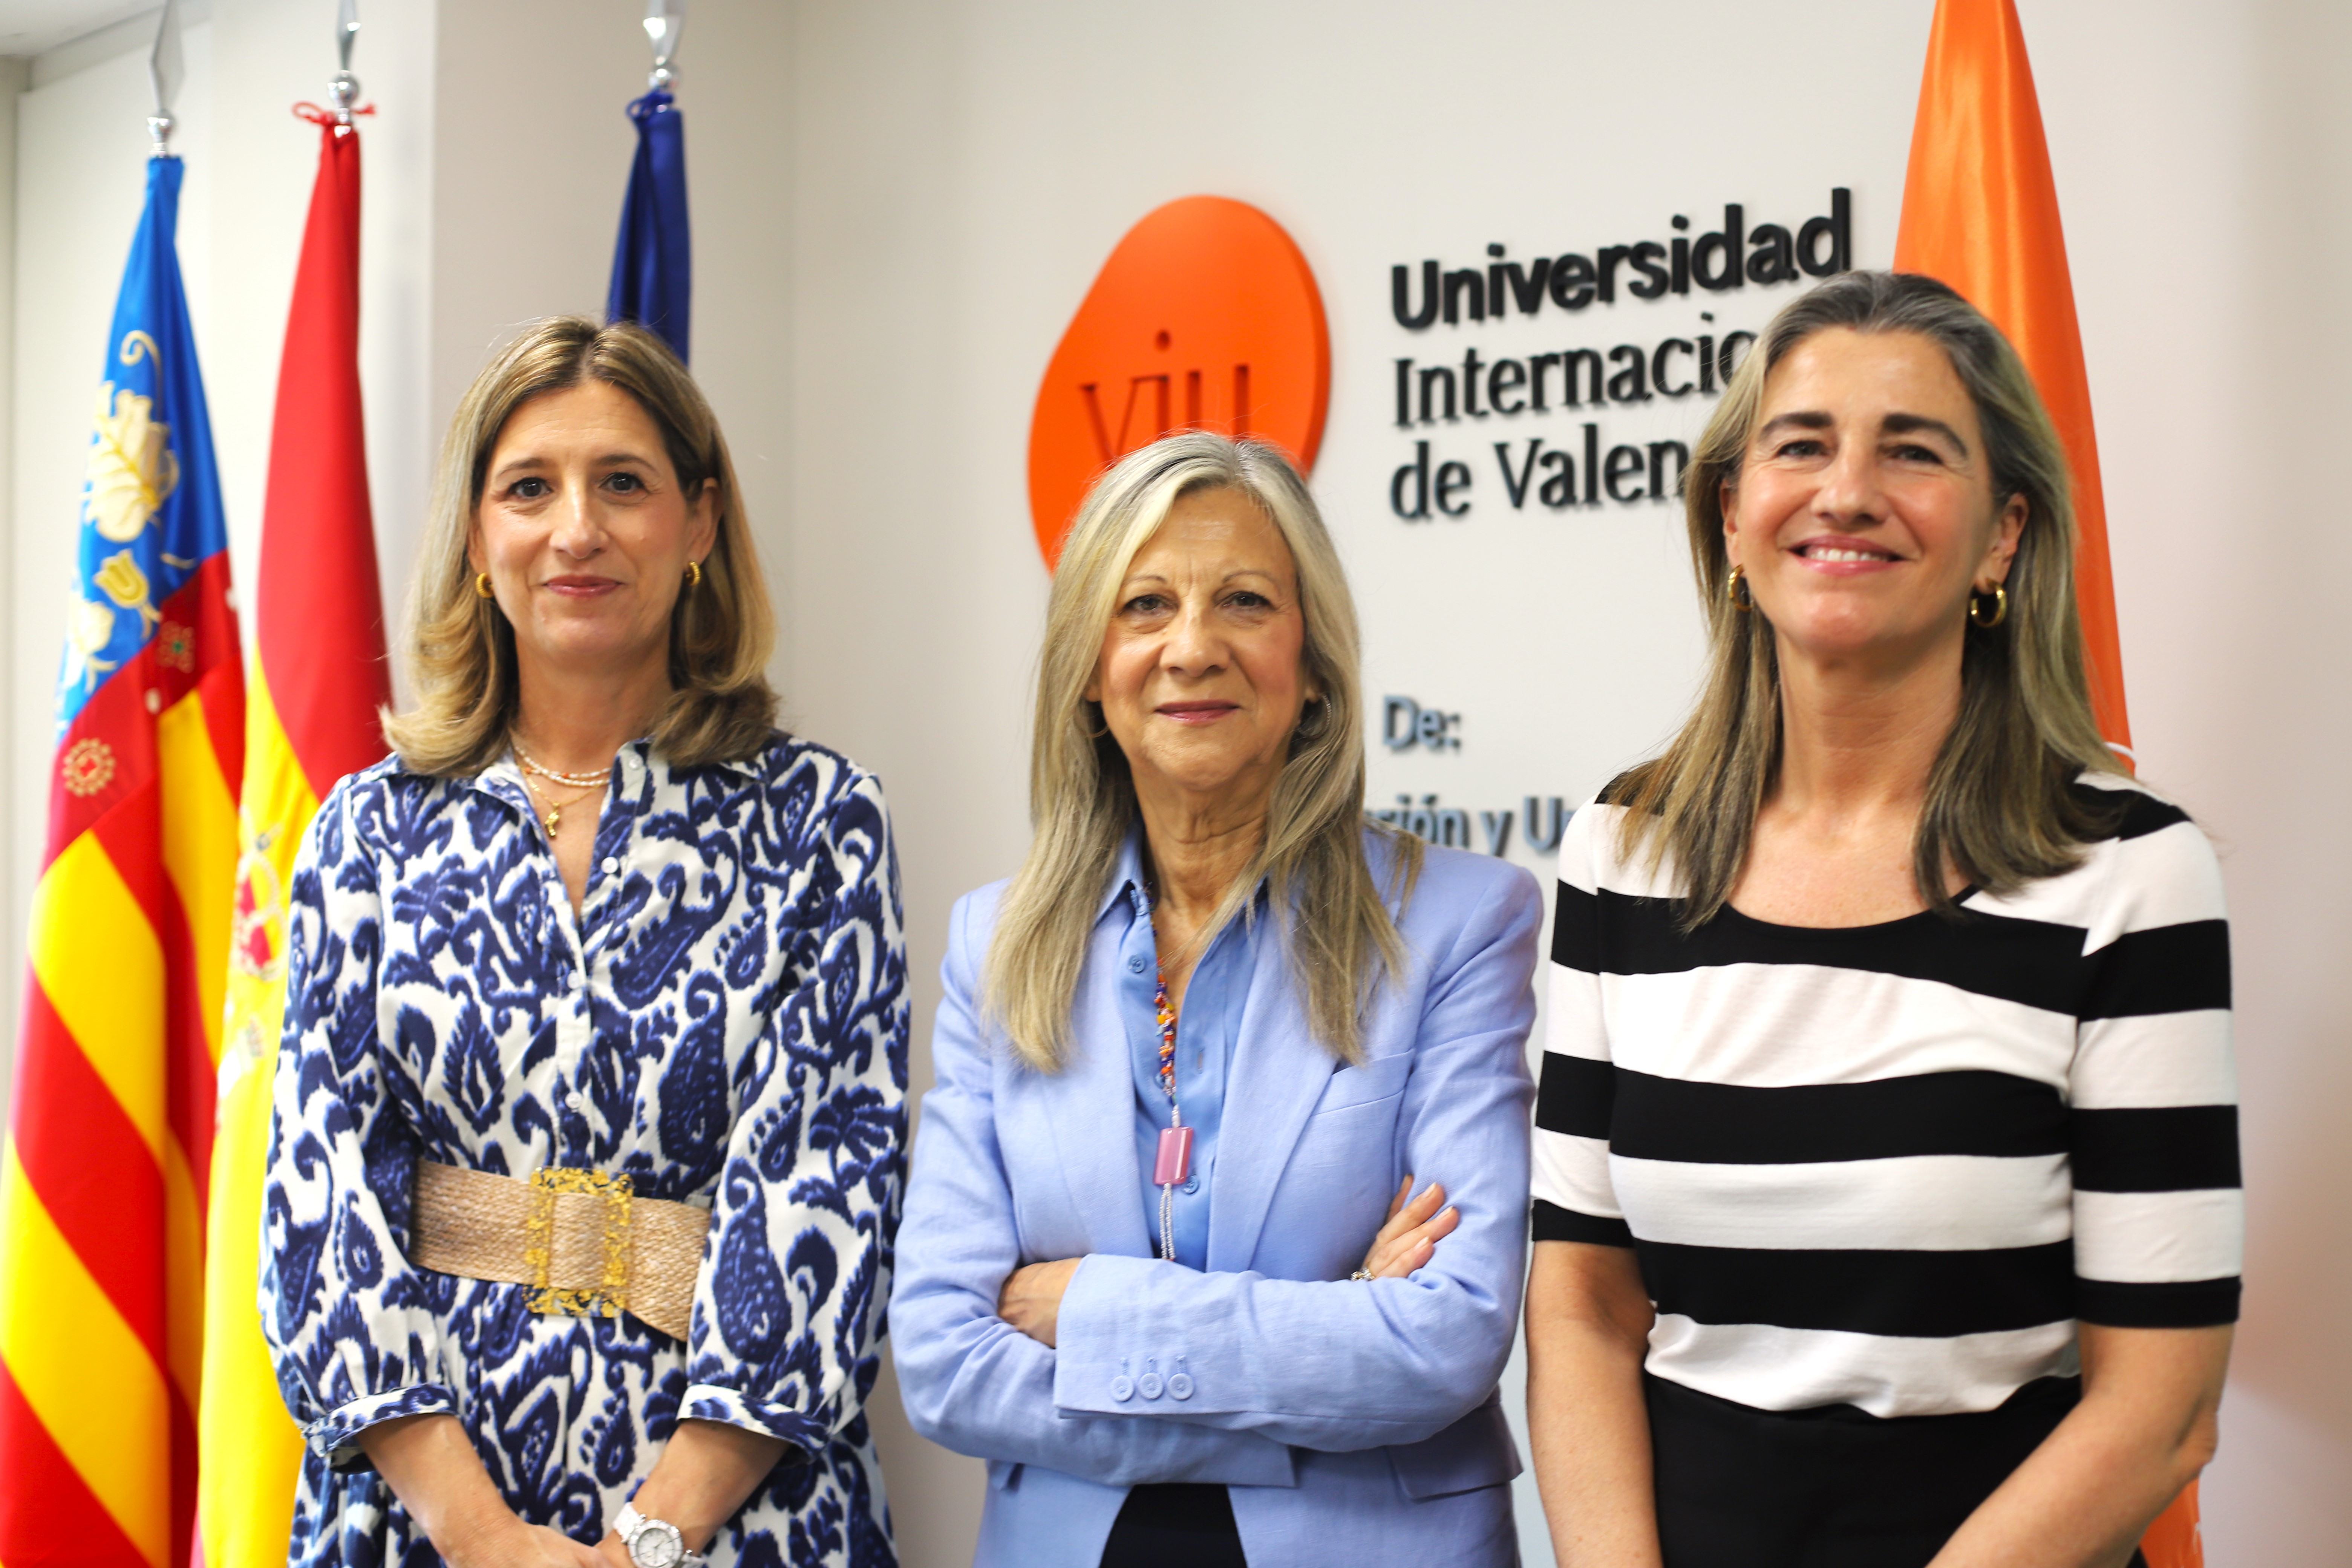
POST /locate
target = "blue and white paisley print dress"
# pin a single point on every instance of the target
(726, 1022)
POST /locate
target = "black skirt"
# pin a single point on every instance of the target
(1835, 1488)
(1175, 1526)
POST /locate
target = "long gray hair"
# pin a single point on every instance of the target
(1335, 924)
(2001, 802)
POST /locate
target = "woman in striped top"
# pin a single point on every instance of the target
(1886, 1183)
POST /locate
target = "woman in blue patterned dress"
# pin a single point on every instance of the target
(589, 1115)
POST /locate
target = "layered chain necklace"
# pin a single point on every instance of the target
(586, 784)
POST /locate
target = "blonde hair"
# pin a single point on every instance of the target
(460, 648)
(1336, 926)
(2001, 804)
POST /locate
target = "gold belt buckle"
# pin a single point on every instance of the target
(611, 1298)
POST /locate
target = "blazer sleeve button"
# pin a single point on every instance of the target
(1122, 1389)
(1149, 1386)
(1180, 1385)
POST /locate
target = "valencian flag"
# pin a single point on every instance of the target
(101, 1183)
(1981, 212)
(653, 260)
(317, 685)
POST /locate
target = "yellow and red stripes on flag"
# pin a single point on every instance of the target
(251, 1449)
(101, 1225)
(1981, 212)
(317, 683)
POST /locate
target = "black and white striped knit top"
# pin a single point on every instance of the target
(1890, 1166)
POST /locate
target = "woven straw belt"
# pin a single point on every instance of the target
(583, 1242)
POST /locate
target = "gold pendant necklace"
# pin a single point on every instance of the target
(554, 817)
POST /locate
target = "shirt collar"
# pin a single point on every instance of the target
(642, 751)
(1127, 877)
(503, 778)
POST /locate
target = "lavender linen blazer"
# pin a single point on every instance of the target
(1356, 1423)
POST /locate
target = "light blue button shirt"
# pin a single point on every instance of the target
(1204, 1051)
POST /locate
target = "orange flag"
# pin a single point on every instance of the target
(1981, 212)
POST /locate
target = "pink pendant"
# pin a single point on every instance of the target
(1175, 1162)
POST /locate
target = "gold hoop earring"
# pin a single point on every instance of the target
(693, 575)
(1999, 597)
(1736, 591)
(1098, 735)
(482, 587)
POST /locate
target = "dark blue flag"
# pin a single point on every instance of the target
(652, 264)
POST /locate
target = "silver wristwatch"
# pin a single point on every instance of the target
(654, 1542)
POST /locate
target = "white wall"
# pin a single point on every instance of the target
(2201, 153)
(899, 204)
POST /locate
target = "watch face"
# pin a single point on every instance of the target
(658, 1545)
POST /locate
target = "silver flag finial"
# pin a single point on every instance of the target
(665, 20)
(166, 69)
(344, 87)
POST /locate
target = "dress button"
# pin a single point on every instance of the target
(1135, 965)
(576, 1100)
(1122, 1389)
(1147, 1386)
(611, 864)
(1180, 1385)
(1192, 1185)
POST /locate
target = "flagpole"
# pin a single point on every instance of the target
(166, 69)
(343, 87)
(665, 20)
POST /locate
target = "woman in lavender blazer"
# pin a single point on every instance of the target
(1176, 1261)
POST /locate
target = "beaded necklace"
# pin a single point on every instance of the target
(1166, 1039)
(577, 781)
(1175, 1159)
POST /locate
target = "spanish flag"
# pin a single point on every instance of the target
(1981, 212)
(101, 1180)
(317, 683)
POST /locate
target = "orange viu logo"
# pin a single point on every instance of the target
(1205, 317)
